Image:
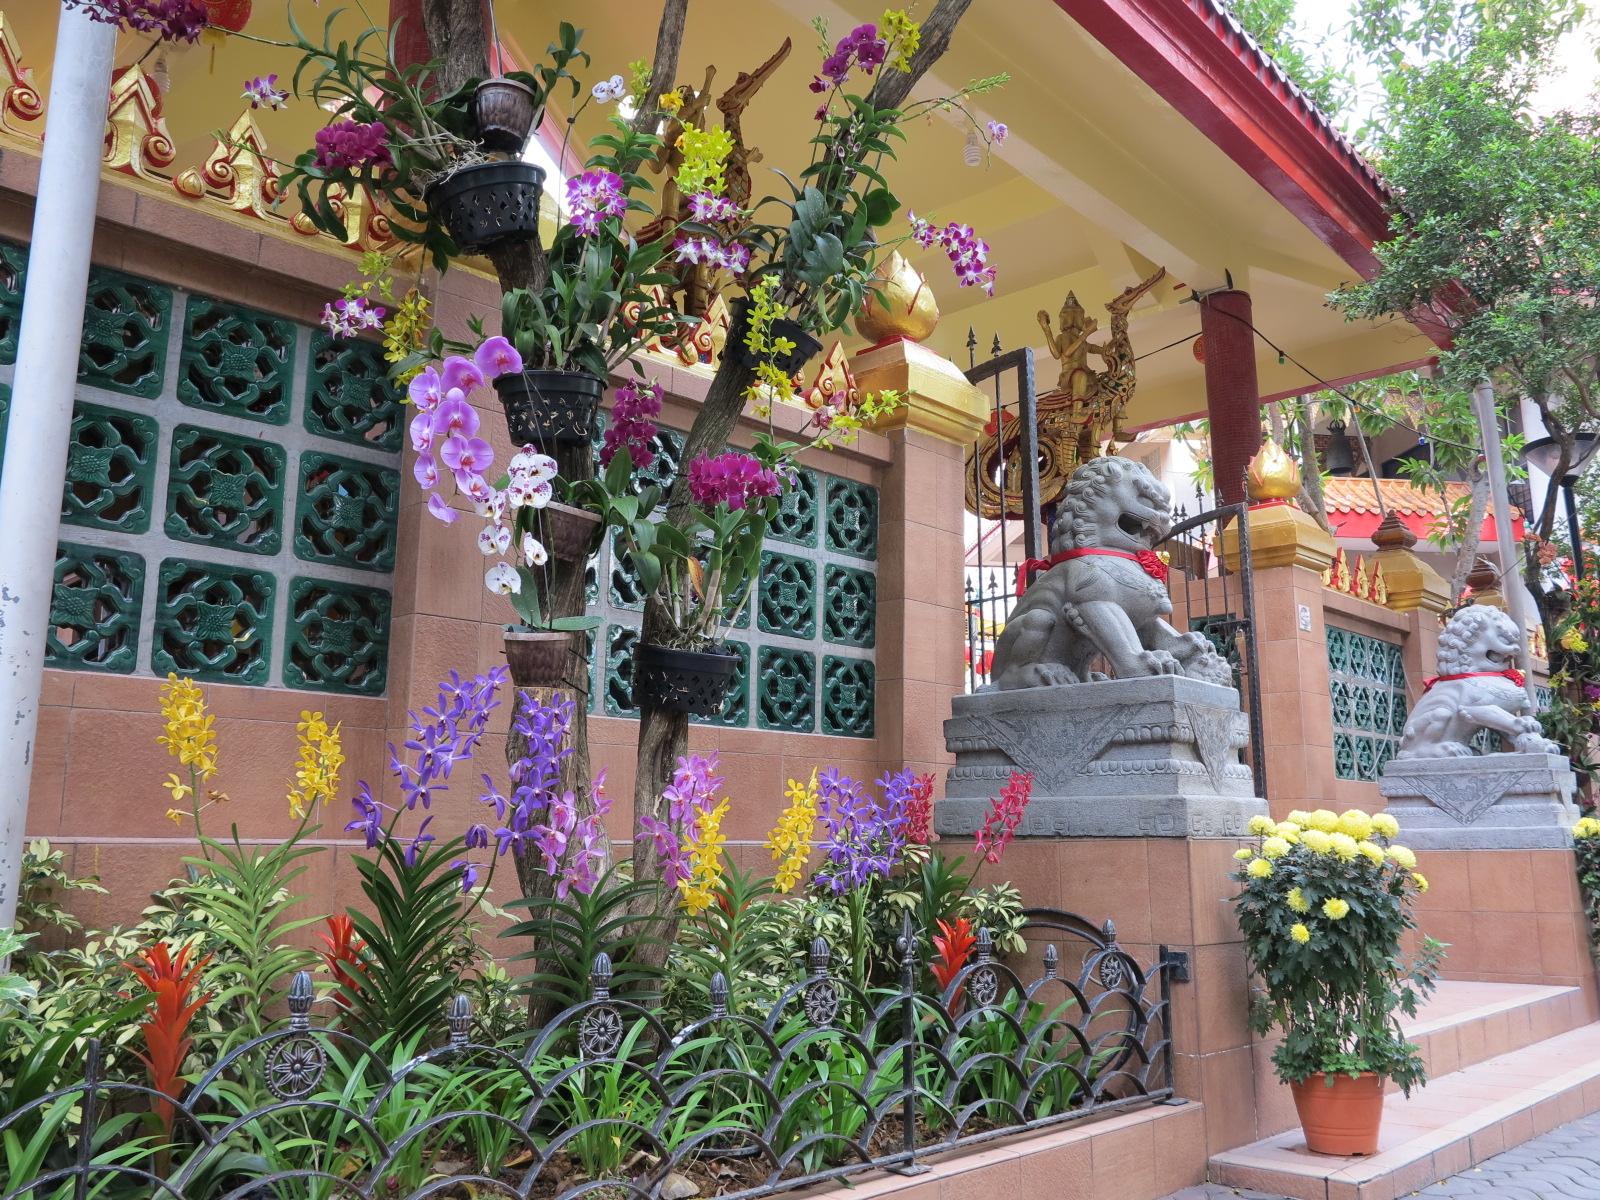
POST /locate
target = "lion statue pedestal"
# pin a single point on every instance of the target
(1153, 752)
(1449, 797)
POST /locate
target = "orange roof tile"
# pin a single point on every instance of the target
(1350, 494)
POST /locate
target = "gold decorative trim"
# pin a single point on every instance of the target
(240, 168)
(1356, 580)
(137, 141)
(19, 100)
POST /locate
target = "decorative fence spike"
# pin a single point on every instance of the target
(1051, 964)
(460, 1021)
(821, 955)
(719, 995)
(301, 994)
(600, 976)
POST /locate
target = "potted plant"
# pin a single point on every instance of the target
(569, 332)
(425, 153)
(1324, 902)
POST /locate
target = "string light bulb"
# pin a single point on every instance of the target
(972, 151)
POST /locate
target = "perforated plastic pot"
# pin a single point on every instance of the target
(488, 203)
(550, 408)
(806, 347)
(686, 681)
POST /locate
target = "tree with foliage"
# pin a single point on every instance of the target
(1496, 227)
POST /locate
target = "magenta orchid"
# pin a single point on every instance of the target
(708, 206)
(168, 20)
(633, 424)
(967, 252)
(350, 145)
(997, 132)
(861, 46)
(732, 479)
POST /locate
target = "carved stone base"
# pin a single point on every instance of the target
(1153, 757)
(1485, 802)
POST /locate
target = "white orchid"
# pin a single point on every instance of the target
(502, 579)
(533, 551)
(494, 539)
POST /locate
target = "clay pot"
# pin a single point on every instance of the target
(503, 110)
(537, 657)
(568, 532)
(1342, 1118)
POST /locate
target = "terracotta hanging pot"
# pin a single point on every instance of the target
(1342, 1117)
(569, 532)
(537, 657)
(503, 110)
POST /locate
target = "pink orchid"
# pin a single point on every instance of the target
(462, 373)
(497, 357)
(438, 507)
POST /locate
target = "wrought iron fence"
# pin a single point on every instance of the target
(832, 1080)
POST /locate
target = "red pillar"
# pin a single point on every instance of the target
(411, 40)
(1233, 398)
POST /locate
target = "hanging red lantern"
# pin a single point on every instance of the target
(1198, 348)
(229, 16)
(222, 18)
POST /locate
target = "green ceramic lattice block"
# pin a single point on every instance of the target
(338, 637)
(625, 589)
(13, 274)
(848, 697)
(736, 708)
(663, 469)
(94, 609)
(111, 466)
(347, 512)
(348, 394)
(786, 601)
(849, 606)
(1367, 699)
(620, 641)
(786, 682)
(797, 517)
(236, 361)
(852, 514)
(125, 326)
(225, 491)
(5, 417)
(213, 622)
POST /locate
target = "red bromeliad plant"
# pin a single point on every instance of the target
(341, 954)
(952, 946)
(171, 982)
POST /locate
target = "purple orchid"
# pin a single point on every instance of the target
(633, 424)
(594, 196)
(351, 145)
(264, 90)
(863, 839)
(733, 479)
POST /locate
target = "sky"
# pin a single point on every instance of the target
(1577, 73)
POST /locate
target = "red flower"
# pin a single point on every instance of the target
(1005, 814)
(952, 945)
(171, 983)
(343, 957)
(919, 812)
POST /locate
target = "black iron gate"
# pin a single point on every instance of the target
(1212, 594)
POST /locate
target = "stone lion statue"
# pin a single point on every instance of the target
(1478, 687)
(1103, 591)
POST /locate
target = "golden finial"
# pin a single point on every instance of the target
(909, 309)
(1273, 474)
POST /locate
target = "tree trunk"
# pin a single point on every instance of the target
(893, 87)
(1311, 498)
(1468, 557)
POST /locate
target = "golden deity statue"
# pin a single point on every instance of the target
(1074, 418)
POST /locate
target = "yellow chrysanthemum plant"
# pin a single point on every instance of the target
(1586, 844)
(1324, 902)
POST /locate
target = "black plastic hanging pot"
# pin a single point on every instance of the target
(503, 110)
(686, 681)
(488, 203)
(805, 349)
(550, 408)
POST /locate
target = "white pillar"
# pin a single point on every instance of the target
(1511, 586)
(41, 406)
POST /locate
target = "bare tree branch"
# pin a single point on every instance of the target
(664, 69)
(893, 87)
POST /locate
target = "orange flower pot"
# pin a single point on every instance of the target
(1343, 1118)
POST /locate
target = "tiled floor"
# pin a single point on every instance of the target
(1564, 1164)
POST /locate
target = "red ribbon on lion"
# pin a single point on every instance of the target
(1511, 673)
(1149, 561)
